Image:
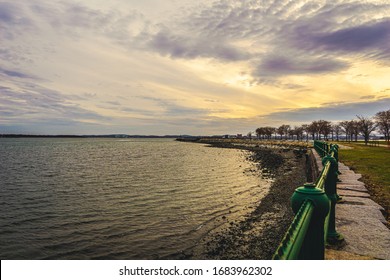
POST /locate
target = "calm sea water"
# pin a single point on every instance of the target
(118, 199)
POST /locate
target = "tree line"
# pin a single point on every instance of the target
(323, 129)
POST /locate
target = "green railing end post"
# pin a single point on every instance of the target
(317, 196)
(313, 247)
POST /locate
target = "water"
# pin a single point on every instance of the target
(118, 199)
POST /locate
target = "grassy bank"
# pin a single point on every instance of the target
(374, 165)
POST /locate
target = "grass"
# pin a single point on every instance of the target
(374, 165)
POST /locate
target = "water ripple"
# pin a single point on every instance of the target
(110, 199)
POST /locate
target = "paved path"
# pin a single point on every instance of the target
(359, 219)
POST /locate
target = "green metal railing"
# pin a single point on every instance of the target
(314, 207)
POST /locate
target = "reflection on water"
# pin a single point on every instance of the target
(113, 199)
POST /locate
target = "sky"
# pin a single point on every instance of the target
(189, 67)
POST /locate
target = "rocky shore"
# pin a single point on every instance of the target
(259, 234)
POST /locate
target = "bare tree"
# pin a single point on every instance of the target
(287, 128)
(336, 130)
(346, 128)
(259, 132)
(383, 121)
(324, 128)
(351, 129)
(265, 132)
(305, 128)
(366, 126)
(268, 131)
(298, 131)
(291, 133)
(355, 129)
(280, 131)
(312, 129)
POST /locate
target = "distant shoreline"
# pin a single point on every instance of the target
(85, 136)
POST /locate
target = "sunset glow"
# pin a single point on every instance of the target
(189, 67)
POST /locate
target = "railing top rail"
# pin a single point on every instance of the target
(320, 183)
(292, 241)
(324, 148)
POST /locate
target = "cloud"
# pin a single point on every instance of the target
(14, 56)
(366, 39)
(178, 46)
(333, 24)
(15, 74)
(70, 19)
(331, 112)
(33, 103)
(359, 38)
(13, 20)
(228, 31)
(288, 37)
(169, 108)
(7, 13)
(279, 65)
(371, 96)
(191, 63)
(340, 29)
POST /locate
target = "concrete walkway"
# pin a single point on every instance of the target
(359, 219)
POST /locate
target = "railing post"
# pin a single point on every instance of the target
(332, 237)
(313, 247)
(335, 149)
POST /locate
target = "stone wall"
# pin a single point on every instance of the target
(312, 166)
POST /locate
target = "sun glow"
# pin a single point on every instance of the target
(120, 64)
